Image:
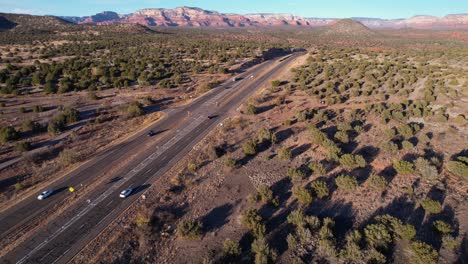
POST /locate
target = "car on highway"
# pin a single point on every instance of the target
(151, 133)
(126, 193)
(44, 194)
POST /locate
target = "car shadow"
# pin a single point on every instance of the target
(140, 188)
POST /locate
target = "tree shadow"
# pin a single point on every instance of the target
(284, 135)
(389, 173)
(217, 217)
(264, 109)
(297, 151)
(369, 153)
(362, 174)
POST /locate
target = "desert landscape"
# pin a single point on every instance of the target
(253, 138)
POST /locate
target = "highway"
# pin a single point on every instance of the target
(65, 235)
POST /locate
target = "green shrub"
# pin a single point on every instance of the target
(377, 235)
(390, 147)
(192, 167)
(320, 188)
(377, 182)
(317, 168)
(251, 109)
(38, 109)
(296, 218)
(67, 157)
(458, 168)
(442, 227)
(431, 206)
(449, 242)
(250, 147)
(342, 136)
(302, 195)
(231, 248)
(23, 146)
(266, 195)
(230, 163)
(423, 253)
(190, 229)
(403, 167)
(29, 125)
(263, 253)
(265, 135)
(8, 134)
(135, 109)
(346, 182)
(406, 131)
(285, 154)
(352, 161)
(276, 83)
(425, 169)
(407, 145)
(296, 173)
(253, 221)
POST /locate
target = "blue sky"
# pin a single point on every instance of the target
(306, 8)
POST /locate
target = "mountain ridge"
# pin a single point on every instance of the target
(197, 17)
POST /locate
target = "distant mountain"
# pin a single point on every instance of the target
(348, 28)
(197, 17)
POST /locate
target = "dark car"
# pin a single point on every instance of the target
(151, 133)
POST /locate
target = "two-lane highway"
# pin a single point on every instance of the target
(65, 235)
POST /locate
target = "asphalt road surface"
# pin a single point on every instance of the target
(67, 234)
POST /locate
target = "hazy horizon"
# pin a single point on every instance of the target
(328, 9)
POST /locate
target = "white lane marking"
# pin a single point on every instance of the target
(197, 121)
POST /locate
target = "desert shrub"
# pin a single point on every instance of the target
(8, 134)
(407, 145)
(342, 136)
(423, 253)
(142, 220)
(458, 168)
(296, 173)
(29, 125)
(250, 147)
(317, 168)
(93, 96)
(266, 195)
(38, 109)
(377, 182)
(251, 109)
(403, 167)
(253, 221)
(276, 83)
(265, 134)
(352, 251)
(442, 227)
(55, 127)
(23, 146)
(390, 147)
(405, 131)
(230, 163)
(263, 253)
(190, 229)
(302, 195)
(449, 242)
(352, 161)
(400, 230)
(425, 169)
(67, 157)
(377, 235)
(346, 182)
(192, 166)
(231, 248)
(431, 206)
(320, 188)
(374, 256)
(296, 218)
(285, 154)
(135, 109)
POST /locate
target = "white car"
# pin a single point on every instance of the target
(44, 194)
(125, 193)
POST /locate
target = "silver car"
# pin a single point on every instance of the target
(44, 194)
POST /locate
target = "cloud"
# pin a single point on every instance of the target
(27, 11)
